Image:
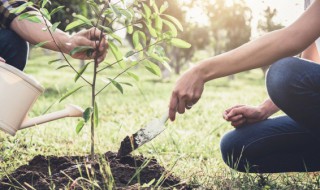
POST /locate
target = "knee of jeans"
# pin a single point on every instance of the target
(231, 151)
(280, 77)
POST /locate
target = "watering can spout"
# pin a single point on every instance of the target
(69, 111)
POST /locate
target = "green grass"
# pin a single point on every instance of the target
(189, 147)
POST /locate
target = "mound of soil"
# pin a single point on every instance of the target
(78, 173)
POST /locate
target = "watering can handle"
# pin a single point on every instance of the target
(69, 111)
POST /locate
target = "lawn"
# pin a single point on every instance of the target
(189, 147)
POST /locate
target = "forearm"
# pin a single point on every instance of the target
(255, 54)
(268, 108)
(37, 32)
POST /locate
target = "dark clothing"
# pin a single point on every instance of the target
(13, 48)
(6, 17)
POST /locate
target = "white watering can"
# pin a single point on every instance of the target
(18, 92)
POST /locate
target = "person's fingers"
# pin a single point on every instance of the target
(233, 107)
(95, 33)
(224, 115)
(102, 57)
(235, 118)
(236, 111)
(189, 105)
(103, 45)
(239, 122)
(181, 106)
(173, 106)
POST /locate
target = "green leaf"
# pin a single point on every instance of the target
(164, 7)
(180, 43)
(69, 93)
(139, 40)
(153, 68)
(30, 17)
(135, 39)
(130, 29)
(158, 23)
(106, 29)
(53, 61)
(79, 74)
(93, 5)
(134, 76)
(148, 185)
(80, 49)
(143, 38)
(87, 114)
(172, 28)
(56, 10)
(54, 27)
(175, 21)
(147, 11)
(116, 84)
(155, 8)
(116, 37)
(151, 30)
(161, 60)
(129, 54)
(62, 66)
(126, 83)
(41, 44)
(74, 24)
(79, 126)
(115, 10)
(127, 14)
(45, 13)
(21, 8)
(152, 2)
(116, 53)
(44, 2)
(84, 19)
(96, 114)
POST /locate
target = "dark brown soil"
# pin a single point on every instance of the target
(127, 145)
(77, 173)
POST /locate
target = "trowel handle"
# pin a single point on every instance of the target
(69, 111)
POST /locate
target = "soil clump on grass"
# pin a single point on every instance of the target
(109, 171)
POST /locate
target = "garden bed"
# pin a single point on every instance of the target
(78, 173)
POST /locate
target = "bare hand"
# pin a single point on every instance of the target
(2, 60)
(89, 38)
(241, 114)
(186, 93)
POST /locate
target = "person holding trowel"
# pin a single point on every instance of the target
(289, 143)
(15, 35)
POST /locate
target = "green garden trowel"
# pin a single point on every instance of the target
(144, 135)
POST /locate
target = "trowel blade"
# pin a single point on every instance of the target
(142, 136)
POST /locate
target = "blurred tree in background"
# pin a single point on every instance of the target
(268, 24)
(228, 25)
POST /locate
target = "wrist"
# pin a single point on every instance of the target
(203, 72)
(268, 108)
(200, 73)
(264, 111)
(63, 41)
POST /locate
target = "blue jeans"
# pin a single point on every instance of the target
(289, 143)
(13, 48)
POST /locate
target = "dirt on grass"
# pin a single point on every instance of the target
(109, 172)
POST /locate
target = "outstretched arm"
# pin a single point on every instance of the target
(261, 52)
(37, 32)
